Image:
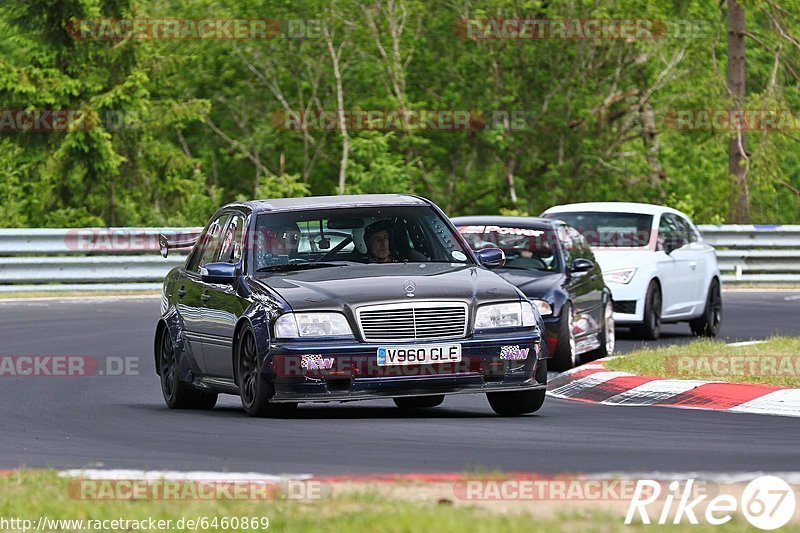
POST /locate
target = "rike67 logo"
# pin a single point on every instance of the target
(767, 502)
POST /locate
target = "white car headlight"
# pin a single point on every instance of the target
(510, 315)
(545, 309)
(295, 325)
(623, 275)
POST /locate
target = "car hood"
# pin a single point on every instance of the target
(532, 282)
(615, 258)
(347, 287)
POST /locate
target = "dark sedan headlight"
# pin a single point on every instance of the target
(509, 315)
(297, 325)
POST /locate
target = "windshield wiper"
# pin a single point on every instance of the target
(299, 266)
(526, 268)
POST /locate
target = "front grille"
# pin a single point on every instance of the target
(625, 306)
(407, 322)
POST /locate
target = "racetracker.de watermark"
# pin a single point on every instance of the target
(213, 29)
(567, 489)
(63, 120)
(452, 120)
(734, 365)
(569, 29)
(197, 490)
(68, 366)
(733, 119)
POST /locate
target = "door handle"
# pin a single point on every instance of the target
(692, 265)
(205, 296)
(181, 292)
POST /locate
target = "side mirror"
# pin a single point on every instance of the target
(673, 243)
(581, 265)
(219, 273)
(491, 257)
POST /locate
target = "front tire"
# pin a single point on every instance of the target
(516, 403)
(607, 335)
(709, 323)
(419, 402)
(178, 394)
(255, 389)
(564, 354)
(651, 328)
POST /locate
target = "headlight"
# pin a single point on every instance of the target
(545, 309)
(623, 275)
(510, 315)
(294, 325)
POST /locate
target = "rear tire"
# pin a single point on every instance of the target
(564, 356)
(708, 325)
(516, 403)
(178, 394)
(255, 389)
(651, 328)
(419, 402)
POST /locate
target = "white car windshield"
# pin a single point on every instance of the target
(609, 230)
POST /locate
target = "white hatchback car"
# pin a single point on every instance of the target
(654, 261)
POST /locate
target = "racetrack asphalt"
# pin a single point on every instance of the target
(122, 422)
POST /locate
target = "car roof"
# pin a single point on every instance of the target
(526, 222)
(322, 202)
(613, 207)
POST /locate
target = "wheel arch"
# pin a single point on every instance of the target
(243, 322)
(258, 321)
(162, 324)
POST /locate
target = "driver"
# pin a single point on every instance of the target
(277, 244)
(376, 236)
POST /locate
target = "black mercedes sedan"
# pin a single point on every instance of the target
(554, 266)
(343, 298)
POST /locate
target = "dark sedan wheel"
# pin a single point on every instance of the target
(516, 403)
(178, 394)
(419, 402)
(564, 355)
(607, 334)
(708, 325)
(254, 389)
(651, 328)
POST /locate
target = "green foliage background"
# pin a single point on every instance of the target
(199, 113)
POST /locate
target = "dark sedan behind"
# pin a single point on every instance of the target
(553, 265)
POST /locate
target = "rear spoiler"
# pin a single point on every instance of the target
(176, 241)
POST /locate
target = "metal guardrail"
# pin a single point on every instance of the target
(756, 254)
(84, 259)
(128, 258)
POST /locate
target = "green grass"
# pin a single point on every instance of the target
(30, 494)
(733, 285)
(775, 362)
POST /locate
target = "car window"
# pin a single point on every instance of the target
(671, 228)
(231, 250)
(524, 247)
(207, 247)
(363, 235)
(580, 245)
(691, 233)
(567, 243)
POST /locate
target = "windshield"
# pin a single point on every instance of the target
(362, 235)
(525, 248)
(610, 230)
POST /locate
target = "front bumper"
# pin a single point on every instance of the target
(348, 370)
(630, 299)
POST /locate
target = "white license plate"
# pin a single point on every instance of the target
(421, 354)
